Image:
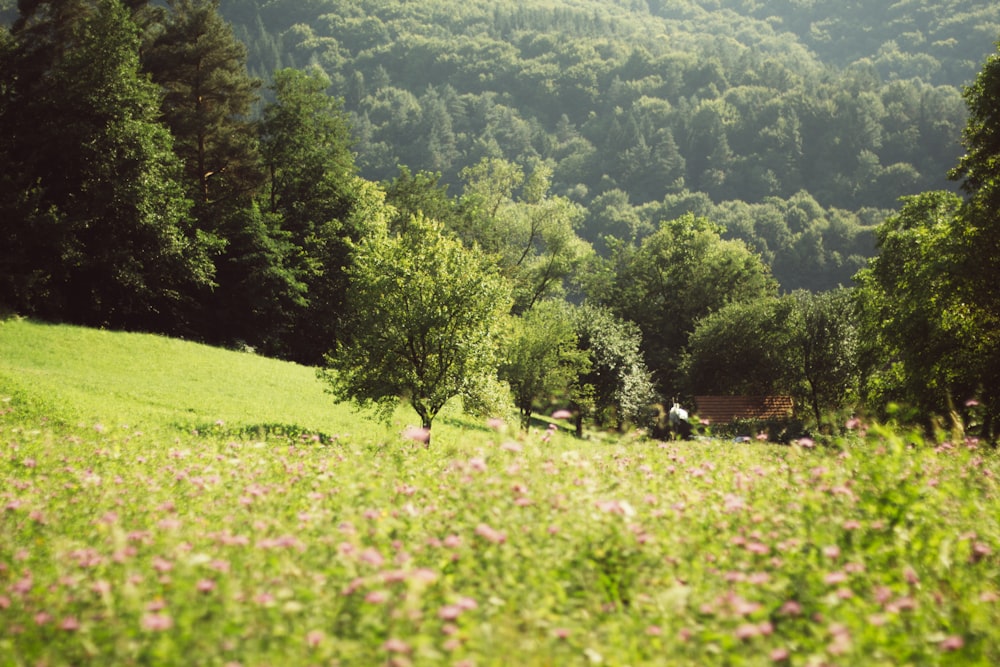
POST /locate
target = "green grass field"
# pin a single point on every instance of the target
(135, 529)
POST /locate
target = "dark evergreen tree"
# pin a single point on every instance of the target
(94, 226)
(208, 99)
(312, 188)
(192, 54)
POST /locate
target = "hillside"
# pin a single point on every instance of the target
(651, 109)
(114, 380)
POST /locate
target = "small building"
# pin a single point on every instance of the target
(727, 409)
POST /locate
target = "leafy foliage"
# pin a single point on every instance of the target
(618, 387)
(741, 101)
(678, 275)
(745, 347)
(208, 96)
(426, 323)
(928, 343)
(542, 362)
(93, 221)
(532, 235)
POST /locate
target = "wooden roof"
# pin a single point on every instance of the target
(725, 409)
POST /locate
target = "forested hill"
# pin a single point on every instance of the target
(794, 123)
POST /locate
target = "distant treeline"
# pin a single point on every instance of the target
(846, 105)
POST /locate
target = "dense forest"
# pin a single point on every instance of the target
(662, 197)
(815, 117)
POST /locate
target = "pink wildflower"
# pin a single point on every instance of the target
(449, 612)
(491, 534)
(314, 638)
(205, 586)
(371, 556)
(393, 645)
(780, 655)
(562, 414)
(162, 564)
(835, 578)
(791, 608)
(417, 434)
(952, 643)
(495, 423)
(376, 597)
(69, 624)
(157, 622)
(979, 551)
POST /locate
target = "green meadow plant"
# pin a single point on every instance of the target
(492, 547)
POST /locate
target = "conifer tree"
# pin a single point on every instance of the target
(313, 190)
(208, 98)
(94, 227)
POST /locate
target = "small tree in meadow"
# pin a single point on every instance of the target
(543, 360)
(618, 384)
(426, 323)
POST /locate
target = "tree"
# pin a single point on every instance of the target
(827, 349)
(312, 190)
(543, 360)
(618, 383)
(979, 170)
(208, 97)
(679, 274)
(93, 221)
(412, 194)
(745, 347)
(803, 345)
(426, 323)
(533, 235)
(927, 341)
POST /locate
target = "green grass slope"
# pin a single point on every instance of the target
(82, 376)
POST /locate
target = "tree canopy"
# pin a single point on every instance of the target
(427, 323)
(737, 101)
(679, 274)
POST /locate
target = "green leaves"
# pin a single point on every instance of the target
(426, 322)
(543, 361)
(113, 242)
(920, 309)
(678, 275)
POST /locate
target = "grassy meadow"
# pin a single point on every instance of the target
(165, 503)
